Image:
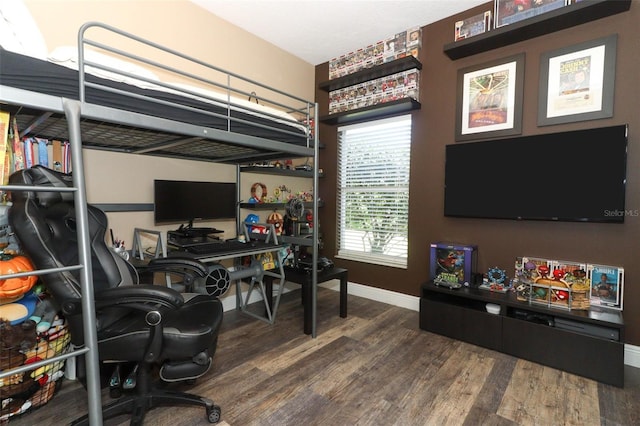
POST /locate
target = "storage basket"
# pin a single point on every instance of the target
(24, 391)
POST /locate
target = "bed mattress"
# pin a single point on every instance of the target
(39, 76)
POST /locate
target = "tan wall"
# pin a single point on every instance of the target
(185, 27)
(182, 26)
(500, 241)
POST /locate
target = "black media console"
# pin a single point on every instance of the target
(587, 343)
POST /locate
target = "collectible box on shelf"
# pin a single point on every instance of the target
(450, 261)
(607, 285)
(394, 47)
(536, 283)
(575, 274)
(531, 268)
(472, 26)
(553, 283)
(414, 38)
(385, 89)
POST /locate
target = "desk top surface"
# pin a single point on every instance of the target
(229, 251)
(323, 275)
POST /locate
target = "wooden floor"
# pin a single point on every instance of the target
(375, 367)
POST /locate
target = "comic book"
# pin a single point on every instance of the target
(607, 285)
(5, 121)
(18, 148)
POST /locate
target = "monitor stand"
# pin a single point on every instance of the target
(194, 231)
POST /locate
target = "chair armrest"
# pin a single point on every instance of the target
(139, 294)
(142, 297)
(170, 264)
(187, 268)
(151, 299)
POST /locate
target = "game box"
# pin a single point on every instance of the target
(449, 260)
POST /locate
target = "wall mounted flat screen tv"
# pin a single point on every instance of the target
(569, 176)
(188, 201)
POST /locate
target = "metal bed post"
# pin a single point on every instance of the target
(239, 231)
(72, 110)
(314, 256)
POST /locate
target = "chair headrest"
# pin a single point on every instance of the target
(42, 177)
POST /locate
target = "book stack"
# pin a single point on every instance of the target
(20, 153)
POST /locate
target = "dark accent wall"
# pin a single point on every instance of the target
(500, 241)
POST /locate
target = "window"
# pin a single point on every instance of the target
(373, 191)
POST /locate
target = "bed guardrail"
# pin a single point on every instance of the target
(228, 90)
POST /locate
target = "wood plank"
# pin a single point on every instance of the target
(538, 394)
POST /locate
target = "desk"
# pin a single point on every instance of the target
(304, 279)
(252, 249)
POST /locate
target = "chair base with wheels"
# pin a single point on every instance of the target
(145, 397)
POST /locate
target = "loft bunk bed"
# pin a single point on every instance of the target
(205, 118)
(99, 105)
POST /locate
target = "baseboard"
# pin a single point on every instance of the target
(377, 294)
(631, 352)
(632, 355)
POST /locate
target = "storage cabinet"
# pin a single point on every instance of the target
(461, 322)
(587, 343)
(596, 358)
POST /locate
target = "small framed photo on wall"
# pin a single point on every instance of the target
(577, 82)
(489, 99)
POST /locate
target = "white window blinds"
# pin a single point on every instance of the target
(373, 191)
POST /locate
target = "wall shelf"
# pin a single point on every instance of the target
(271, 206)
(374, 111)
(556, 20)
(277, 171)
(382, 70)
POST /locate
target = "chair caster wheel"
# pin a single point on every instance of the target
(214, 414)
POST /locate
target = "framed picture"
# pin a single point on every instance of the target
(577, 82)
(607, 285)
(512, 11)
(489, 99)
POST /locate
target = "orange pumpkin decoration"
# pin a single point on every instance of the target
(16, 286)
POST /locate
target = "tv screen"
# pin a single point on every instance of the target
(570, 176)
(186, 201)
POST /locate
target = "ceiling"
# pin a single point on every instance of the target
(319, 30)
